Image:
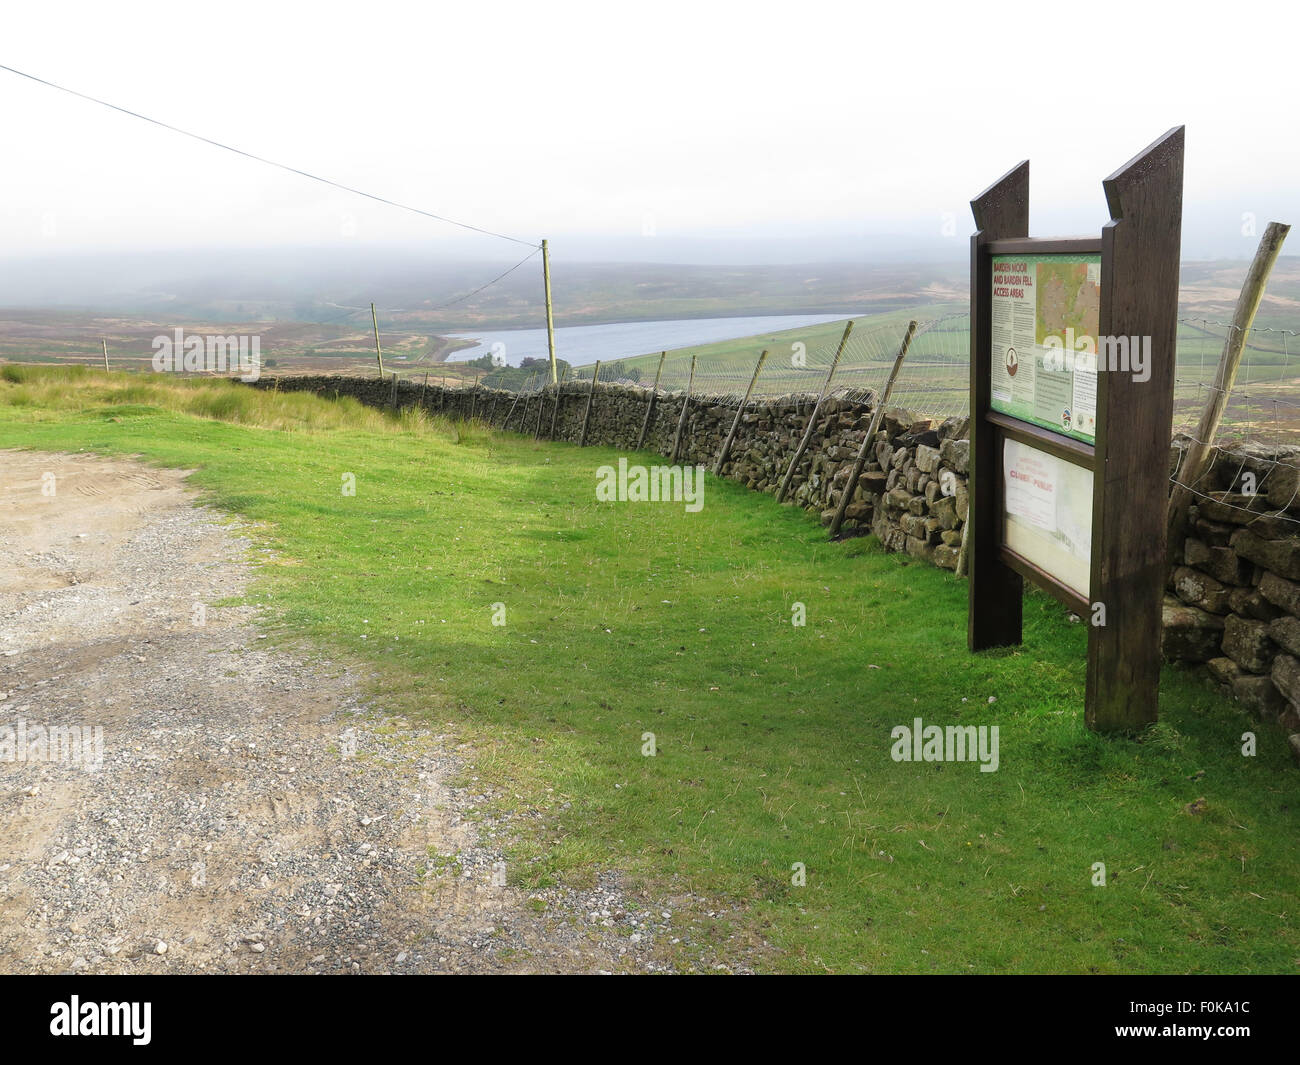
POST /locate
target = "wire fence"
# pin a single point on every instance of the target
(934, 380)
(1251, 474)
(1251, 471)
(1263, 407)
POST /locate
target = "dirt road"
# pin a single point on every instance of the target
(242, 808)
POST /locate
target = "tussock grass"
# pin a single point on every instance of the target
(42, 391)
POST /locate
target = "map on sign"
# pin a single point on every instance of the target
(1045, 318)
(1068, 298)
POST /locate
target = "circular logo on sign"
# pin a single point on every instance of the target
(1065, 418)
(1013, 364)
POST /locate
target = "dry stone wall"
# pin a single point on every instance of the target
(1234, 592)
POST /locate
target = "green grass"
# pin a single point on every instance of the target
(773, 741)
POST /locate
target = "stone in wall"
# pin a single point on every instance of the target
(1198, 589)
(1248, 643)
(1189, 634)
(1278, 556)
(1221, 563)
(1286, 678)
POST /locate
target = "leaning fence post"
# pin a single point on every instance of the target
(528, 398)
(735, 423)
(861, 460)
(559, 388)
(1194, 460)
(650, 403)
(812, 422)
(681, 422)
(591, 398)
(378, 351)
(511, 412)
(104, 344)
(541, 409)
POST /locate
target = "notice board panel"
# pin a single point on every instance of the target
(1044, 320)
(1047, 513)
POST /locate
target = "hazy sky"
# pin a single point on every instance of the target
(597, 124)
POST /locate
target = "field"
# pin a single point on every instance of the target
(772, 740)
(73, 339)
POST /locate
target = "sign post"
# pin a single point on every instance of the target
(1071, 396)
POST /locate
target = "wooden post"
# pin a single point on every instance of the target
(550, 324)
(995, 590)
(511, 412)
(541, 408)
(392, 399)
(963, 552)
(812, 422)
(424, 387)
(650, 404)
(861, 461)
(591, 398)
(528, 399)
(681, 422)
(555, 411)
(104, 344)
(1139, 298)
(379, 354)
(735, 422)
(473, 397)
(1197, 456)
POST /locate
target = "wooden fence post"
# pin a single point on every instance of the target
(104, 344)
(681, 422)
(650, 404)
(392, 399)
(424, 387)
(378, 351)
(812, 422)
(861, 460)
(591, 398)
(1198, 453)
(511, 412)
(735, 422)
(555, 411)
(541, 409)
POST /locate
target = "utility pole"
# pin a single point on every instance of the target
(550, 323)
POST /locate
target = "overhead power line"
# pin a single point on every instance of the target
(442, 306)
(499, 277)
(272, 162)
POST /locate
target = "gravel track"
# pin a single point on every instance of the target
(252, 811)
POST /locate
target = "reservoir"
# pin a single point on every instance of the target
(583, 344)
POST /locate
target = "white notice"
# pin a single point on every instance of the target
(1031, 487)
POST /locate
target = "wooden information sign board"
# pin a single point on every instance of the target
(1071, 399)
